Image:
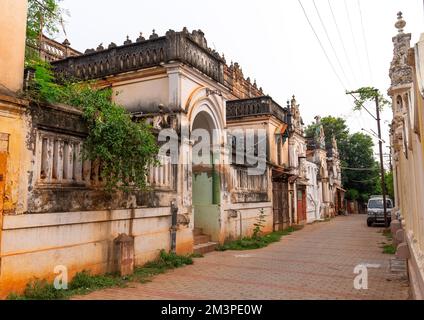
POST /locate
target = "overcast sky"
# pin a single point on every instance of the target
(272, 41)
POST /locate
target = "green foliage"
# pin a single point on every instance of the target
(260, 224)
(124, 148)
(166, 261)
(251, 243)
(389, 186)
(367, 94)
(359, 154)
(352, 194)
(43, 16)
(85, 282)
(389, 249)
(333, 127)
(82, 283)
(39, 290)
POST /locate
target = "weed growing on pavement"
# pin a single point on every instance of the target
(388, 234)
(165, 262)
(84, 283)
(389, 249)
(250, 243)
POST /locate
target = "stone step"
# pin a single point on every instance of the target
(201, 238)
(205, 247)
(197, 231)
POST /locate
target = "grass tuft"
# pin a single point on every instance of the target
(389, 249)
(251, 243)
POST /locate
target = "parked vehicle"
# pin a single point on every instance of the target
(375, 210)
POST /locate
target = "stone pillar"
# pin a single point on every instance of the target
(13, 14)
(125, 254)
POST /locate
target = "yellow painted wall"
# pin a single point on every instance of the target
(12, 43)
(13, 121)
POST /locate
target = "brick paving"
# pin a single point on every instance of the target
(314, 263)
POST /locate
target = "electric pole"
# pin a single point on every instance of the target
(383, 173)
(380, 142)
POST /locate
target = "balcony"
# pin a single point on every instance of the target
(261, 106)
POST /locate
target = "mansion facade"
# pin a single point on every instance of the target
(54, 210)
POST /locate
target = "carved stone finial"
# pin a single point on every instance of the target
(255, 84)
(400, 24)
(140, 38)
(112, 45)
(128, 41)
(100, 47)
(89, 51)
(293, 101)
(154, 35)
(66, 43)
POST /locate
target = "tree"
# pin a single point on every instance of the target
(389, 186)
(367, 94)
(43, 16)
(361, 172)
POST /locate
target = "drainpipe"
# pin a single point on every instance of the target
(174, 214)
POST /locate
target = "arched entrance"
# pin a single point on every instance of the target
(206, 184)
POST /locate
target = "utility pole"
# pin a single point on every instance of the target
(380, 142)
(383, 173)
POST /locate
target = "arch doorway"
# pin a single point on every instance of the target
(206, 184)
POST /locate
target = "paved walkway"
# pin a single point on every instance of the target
(315, 263)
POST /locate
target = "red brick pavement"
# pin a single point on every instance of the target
(314, 263)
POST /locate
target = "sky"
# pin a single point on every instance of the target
(272, 41)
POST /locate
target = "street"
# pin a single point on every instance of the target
(316, 262)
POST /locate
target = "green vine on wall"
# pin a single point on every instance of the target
(124, 148)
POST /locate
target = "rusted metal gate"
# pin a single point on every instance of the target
(280, 204)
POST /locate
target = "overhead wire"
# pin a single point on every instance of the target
(365, 41)
(331, 43)
(352, 34)
(322, 46)
(342, 41)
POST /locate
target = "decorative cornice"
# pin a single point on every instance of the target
(188, 48)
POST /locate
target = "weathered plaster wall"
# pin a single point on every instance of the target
(248, 213)
(80, 241)
(14, 121)
(143, 94)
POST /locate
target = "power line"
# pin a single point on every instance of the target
(365, 40)
(331, 43)
(342, 41)
(321, 45)
(359, 169)
(352, 34)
